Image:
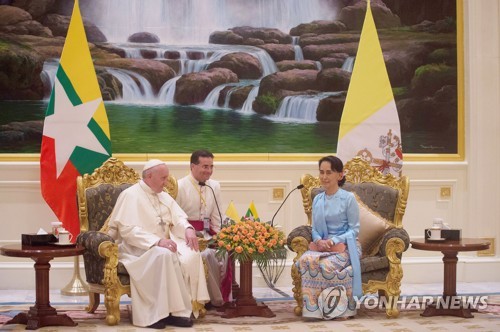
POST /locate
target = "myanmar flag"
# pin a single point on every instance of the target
(369, 126)
(76, 137)
(252, 212)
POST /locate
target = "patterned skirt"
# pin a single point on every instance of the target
(327, 284)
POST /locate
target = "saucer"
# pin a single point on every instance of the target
(436, 240)
(63, 244)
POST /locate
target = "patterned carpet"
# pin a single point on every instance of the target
(487, 319)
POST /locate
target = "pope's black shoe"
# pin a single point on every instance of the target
(159, 325)
(178, 321)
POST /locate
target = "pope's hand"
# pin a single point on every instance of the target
(169, 244)
(191, 239)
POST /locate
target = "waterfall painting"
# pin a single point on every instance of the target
(234, 76)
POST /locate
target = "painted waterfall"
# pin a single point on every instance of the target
(235, 76)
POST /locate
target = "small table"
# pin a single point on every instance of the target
(450, 249)
(245, 304)
(42, 314)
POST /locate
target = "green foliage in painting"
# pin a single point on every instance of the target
(270, 103)
(430, 78)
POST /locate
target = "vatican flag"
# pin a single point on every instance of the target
(232, 213)
(369, 126)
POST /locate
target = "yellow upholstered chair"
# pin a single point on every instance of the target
(382, 200)
(97, 194)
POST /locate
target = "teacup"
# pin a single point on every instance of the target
(434, 233)
(65, 237)
(56, 226)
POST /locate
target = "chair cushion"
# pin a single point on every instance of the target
(369, 264)
(123, 274)
(372, 228)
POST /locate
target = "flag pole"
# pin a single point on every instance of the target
(76, 287)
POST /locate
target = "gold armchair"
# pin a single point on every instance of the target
(387, 195)
(97, 194)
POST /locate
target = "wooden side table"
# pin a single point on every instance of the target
(42, 314)
(450, 250)
(245, 304)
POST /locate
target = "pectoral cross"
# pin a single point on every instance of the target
(162, 224)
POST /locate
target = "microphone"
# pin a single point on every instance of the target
(203, 184)
(300, 186)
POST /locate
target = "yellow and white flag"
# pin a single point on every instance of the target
(369, 126)
(232, 213)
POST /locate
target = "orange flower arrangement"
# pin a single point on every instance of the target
(249, 240)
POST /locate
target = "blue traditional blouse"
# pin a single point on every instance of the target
(335, 216)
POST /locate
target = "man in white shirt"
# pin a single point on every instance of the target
(159, 249)
(199, 197)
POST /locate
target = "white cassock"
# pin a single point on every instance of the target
(162, 282)
(199, 202)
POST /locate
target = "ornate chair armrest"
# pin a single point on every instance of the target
(203, 244)
(93, 261)
(301, 231)
(393, 246)
(112, 285)
(298, 244)
(109, 251)
(386, 245)
(92, 239)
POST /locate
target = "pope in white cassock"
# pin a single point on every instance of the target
(196, 198)
(159, 249)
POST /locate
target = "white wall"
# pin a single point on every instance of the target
(473, 205)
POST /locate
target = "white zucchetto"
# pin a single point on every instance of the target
(152, 163)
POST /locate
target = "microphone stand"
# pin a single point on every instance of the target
(234, 285)
(203, 184)
(300, 186)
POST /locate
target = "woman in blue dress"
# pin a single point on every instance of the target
(330, 269)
